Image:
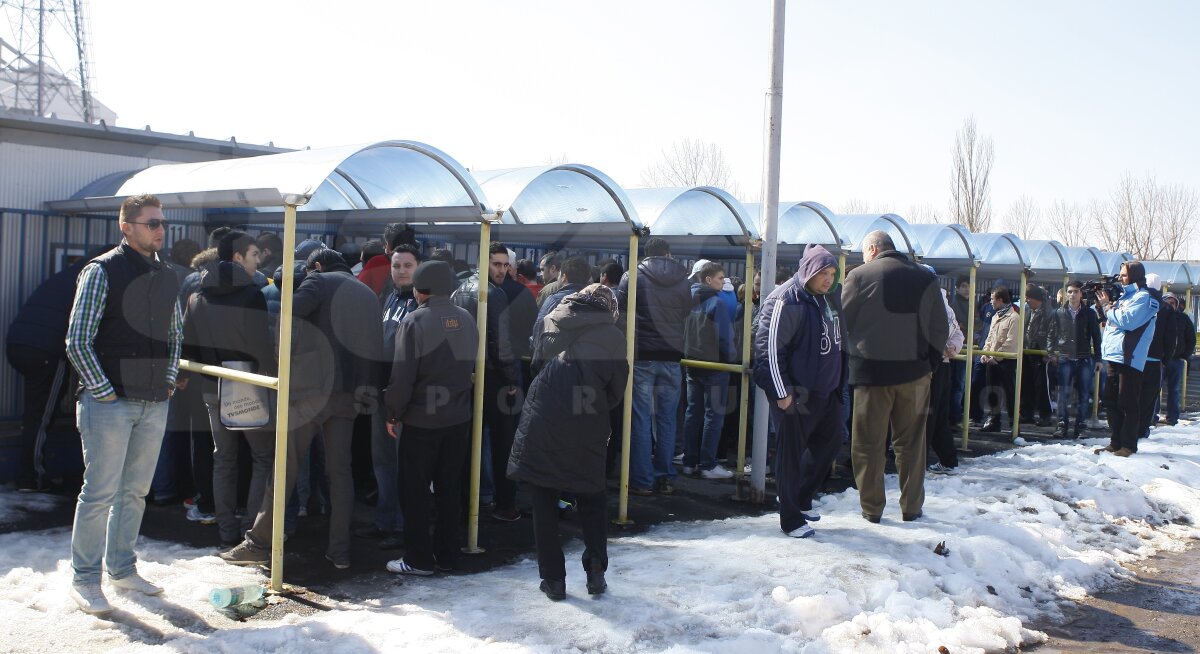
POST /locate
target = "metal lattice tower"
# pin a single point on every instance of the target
(44, 67)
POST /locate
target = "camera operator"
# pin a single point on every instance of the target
(1126, 342)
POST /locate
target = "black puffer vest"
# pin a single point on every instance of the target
(134, 332)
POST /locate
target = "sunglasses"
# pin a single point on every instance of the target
(153, 223)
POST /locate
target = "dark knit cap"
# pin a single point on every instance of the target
(435, 278)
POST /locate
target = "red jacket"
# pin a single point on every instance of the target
(375, 273)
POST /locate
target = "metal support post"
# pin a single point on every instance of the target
(279, 481)
(747, 384)
(485, 242)
(627, 410)
(969, 365)
(1016, 404)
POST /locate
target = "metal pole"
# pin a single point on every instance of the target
(970, 365)
(627, 410)
(1187, 303)
(770, 213)
(841, 279)
(1016, 405)
(747, 384)
(485, 242)
(279, 481)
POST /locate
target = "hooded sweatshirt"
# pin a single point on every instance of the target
(798, 342)
(226, 320)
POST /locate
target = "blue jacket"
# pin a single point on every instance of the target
(710, 302)
(787, 341)
(1130, 328)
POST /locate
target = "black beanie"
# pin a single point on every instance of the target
(435, 278)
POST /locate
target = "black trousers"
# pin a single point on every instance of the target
(1148, 398)
(810, 435)
(1035, 391)
(999, 390)
(937, 425)
(434, 456)
(593, 519)
(500, 412)
(1122, 401)
(44, 376)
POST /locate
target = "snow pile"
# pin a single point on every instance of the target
(1025, 529)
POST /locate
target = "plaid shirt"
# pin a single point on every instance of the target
(90, 300)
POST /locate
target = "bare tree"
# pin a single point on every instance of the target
(1066, 223)
(970, 180)
(1108, 234)
(691, 162)
(1023, 217)
(1180, 206)
(557, 159)
(861, 206)
(925, 214)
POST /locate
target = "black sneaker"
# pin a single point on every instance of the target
(595, 579)
(555, 589)
(664, 487)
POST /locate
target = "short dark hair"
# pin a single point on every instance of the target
(132, 206)
(397, 233)
(326, 257)
(657, 247)
(497, 248)
(270, 241)
(1003, 294)
(962, 279)
(1076, 283)
(612, 271)
(527, 268)
(183, 251)
(371, 249)
(442, 254)
(709, 269)
(551, 258)
(577, 270)
(235, 242)
(410, 249)
(215, 236)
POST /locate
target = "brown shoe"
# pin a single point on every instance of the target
(873, 519)
(1106, 448)
(1124, 451)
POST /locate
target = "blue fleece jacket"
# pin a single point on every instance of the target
(1130, 328)
(710, 302)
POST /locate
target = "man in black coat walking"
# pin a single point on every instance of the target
(897, 331)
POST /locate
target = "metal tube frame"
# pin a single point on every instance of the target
(970, 365)
(739, 473)
(1186, 361)
(485, 242)
(279, 481)
(1016, 420)
(627, 410)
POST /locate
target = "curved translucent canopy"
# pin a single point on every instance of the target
(802, 223)
(388, 175)
(1048, 258)
(565, 194)
(1001, 252)
(1195, 270)
(696, 211)
(944, 246)
(1110, 262)
(1084, 262)
(853, 228)
(1172, 273)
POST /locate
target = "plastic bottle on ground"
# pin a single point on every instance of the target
(226, 597)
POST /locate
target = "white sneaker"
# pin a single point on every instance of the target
(939, 469)
(803, 531)
(716, 473)
(811, 515)
(195, 515)
(678, 459)
(135, 582)
(90, 599)
(688, 470)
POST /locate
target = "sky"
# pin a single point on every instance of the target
(1028, 530)
(1073, 93)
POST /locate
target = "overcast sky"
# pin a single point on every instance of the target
(1073, 93)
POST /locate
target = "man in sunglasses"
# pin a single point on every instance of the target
(124, 339)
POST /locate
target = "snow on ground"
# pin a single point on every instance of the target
(1026, 529)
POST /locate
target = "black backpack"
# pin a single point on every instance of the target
(700, 336)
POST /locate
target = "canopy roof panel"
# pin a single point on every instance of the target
(1110, 262)
(384, 175)
(943, 245)
(1172, 273)
(1001, 251)
(564, 194)
(1048, 258)
(694, 211)
(1083, 262)
(802, 223)
(853, 228)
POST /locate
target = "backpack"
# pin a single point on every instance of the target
(700, 335)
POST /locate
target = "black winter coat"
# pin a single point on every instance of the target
(226, 320)
(562, 438)
(500, 360)
(664, 300)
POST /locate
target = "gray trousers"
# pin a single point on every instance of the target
(225, 472)
(336, 433)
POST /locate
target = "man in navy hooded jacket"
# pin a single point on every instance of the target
(800, 365)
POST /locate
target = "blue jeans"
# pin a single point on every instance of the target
(121, 440)
(655, 402)
(1173, 377)
(1075, 375)
(707, 397)
(384, 452)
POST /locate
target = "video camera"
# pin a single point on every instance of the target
(1110, 284)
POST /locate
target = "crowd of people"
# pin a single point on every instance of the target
(384, 347)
